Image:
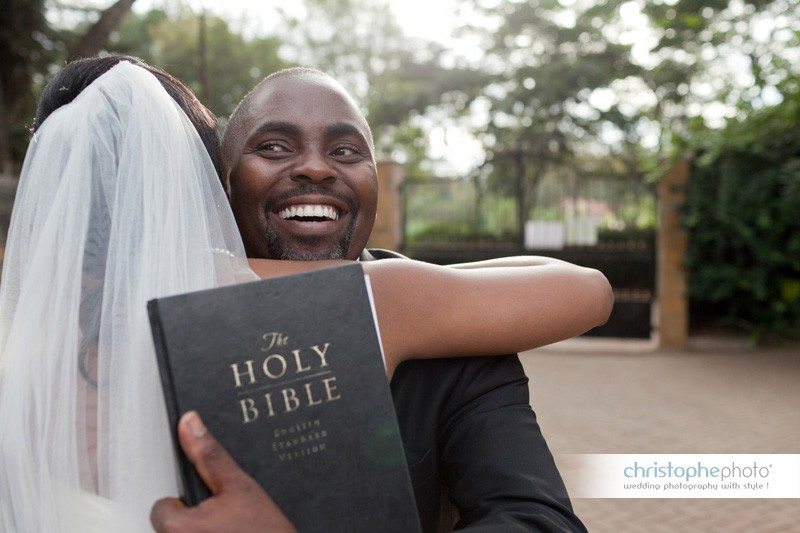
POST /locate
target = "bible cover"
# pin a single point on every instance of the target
(287, 374)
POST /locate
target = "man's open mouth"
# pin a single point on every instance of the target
(309, 213)
(309, 223)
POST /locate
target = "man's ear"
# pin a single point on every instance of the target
(225, 179)
(225, 149)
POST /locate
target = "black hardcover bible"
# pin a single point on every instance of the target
(288, 375)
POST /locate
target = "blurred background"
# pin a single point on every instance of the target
(655, 140)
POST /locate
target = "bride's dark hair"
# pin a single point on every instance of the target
(79, 74)
(63, 89)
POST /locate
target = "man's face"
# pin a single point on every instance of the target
(305, 186)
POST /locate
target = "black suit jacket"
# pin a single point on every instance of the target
(475, 453)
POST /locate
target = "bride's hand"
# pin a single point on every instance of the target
(238, 503)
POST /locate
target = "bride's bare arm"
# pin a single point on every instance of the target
(267, 268)
(428, 311)
(488, 308)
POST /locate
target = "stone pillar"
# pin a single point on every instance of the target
(388, 230)
(673, 309)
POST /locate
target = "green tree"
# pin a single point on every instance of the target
(698, 41)
(568, 96)
(233, 64)
(22, 27)
(394, 77)
(550, 63)
(31, 46)
(741, 213)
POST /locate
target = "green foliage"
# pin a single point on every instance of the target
(32, 47)
(439, 233)
(392, 76)
(407, 145)
(27, 47)
(743, 218)
(171, 41)
(639, 212)
(543, 120)
(454, 211)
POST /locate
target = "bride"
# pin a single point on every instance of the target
(119, 202)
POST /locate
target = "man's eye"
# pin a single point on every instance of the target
(345, 151)
(272, 147)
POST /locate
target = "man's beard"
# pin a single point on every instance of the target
(309, 246)
(309, 250)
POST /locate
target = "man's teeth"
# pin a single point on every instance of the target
(311, 210)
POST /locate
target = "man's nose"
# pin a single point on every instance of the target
(314, 167)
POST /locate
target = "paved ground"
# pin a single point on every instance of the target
(601, 397)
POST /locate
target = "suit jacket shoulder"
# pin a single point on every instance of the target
(371, 254)
(476, 455)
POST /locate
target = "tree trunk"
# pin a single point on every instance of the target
(5, 148)
(97, 37)
(202, 51)
(522, 204)
(477, 216)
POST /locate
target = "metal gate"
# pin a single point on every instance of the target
(607, 224)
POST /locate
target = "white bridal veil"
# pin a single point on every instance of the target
(118, 202)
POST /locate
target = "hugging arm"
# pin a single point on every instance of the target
(488, 308)
(432, 311)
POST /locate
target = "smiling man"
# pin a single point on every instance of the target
(302, 183)
(302, 176)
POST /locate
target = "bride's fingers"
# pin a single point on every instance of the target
(215, 466)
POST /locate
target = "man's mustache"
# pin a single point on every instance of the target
(309, 190)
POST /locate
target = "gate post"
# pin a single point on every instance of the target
(673, 311)
(388, 230)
